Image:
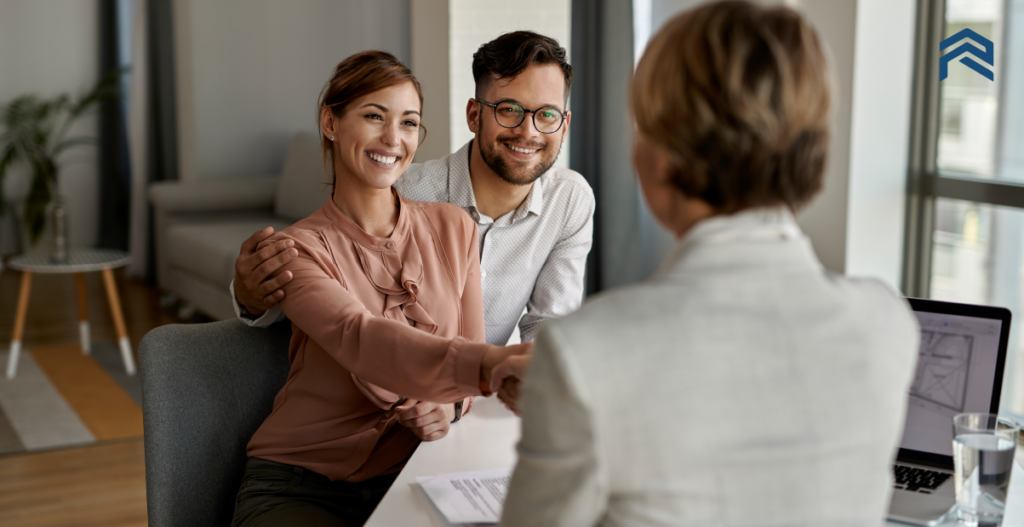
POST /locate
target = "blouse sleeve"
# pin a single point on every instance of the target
(387, 353)
(472, 317)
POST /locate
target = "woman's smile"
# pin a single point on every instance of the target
(383, 159)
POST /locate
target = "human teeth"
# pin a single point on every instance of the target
(521, 150)
(383, 159)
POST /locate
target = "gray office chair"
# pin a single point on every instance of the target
(206, 388)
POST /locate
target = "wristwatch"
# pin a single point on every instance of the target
(458, 412)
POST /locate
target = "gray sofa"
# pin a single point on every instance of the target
(199, 225)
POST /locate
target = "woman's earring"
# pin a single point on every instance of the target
(332, 138)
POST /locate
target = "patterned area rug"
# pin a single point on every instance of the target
(62, 397)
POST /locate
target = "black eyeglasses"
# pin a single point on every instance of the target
(509, 114)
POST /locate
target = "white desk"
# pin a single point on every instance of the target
(486, 438)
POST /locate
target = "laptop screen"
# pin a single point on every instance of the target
(956, 373)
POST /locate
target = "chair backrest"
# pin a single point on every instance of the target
(300, 189)
(206, 388)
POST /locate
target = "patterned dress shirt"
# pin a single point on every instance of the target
(532, 257)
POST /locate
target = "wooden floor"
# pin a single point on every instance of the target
(102, 484)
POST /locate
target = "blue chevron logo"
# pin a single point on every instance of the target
(987, 55)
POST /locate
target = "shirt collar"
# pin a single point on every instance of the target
(534, 202)
(460, 186)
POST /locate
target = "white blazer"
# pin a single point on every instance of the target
(741, 385)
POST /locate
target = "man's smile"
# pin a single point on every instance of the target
(522, 152)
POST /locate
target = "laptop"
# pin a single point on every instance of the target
(959, 369)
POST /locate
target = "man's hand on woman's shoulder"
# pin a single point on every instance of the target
(256, 287)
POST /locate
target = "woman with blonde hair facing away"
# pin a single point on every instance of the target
(741, 384)
(386, 309)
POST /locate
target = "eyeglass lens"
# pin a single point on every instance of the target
(510, 115)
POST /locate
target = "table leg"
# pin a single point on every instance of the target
(83, 314)
(19, 323)
(115, 311)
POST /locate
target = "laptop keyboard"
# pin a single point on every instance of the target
(918, 479)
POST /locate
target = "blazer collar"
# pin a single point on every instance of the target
(757, 238)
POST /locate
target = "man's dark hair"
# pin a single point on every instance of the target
(508, 55)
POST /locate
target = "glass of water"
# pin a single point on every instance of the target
(983, 447)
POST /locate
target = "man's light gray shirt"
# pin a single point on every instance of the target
(533, 257)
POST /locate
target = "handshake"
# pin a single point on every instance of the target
(502, 369)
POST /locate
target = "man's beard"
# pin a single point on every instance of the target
(515, 176)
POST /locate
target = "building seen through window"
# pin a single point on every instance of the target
(977, 248)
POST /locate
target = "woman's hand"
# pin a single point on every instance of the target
(506, 378)
(502, 368)
(427, 421)
(495, 355)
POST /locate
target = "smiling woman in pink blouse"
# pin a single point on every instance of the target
(386, 308)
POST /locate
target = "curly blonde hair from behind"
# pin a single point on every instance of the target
(739, 96)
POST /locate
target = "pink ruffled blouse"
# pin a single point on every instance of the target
(376, 322)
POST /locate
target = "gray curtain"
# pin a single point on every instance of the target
(163, 146)
(628, 245)
(584, 156)
(114, 176)
(162, 133)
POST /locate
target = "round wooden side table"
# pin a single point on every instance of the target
(80, 261)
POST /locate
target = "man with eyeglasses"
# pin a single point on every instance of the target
(535, 220)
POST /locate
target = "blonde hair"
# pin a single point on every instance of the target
(739, 96)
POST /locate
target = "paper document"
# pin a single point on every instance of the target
(469, 497)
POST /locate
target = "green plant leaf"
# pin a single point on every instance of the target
(108, 86)
(9, 157)
(33, 130)
(35, 204)
(73, 142)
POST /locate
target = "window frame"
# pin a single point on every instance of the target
(925, 182)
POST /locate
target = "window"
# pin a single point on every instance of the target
(966, 205)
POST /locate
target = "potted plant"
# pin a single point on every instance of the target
(35, 131)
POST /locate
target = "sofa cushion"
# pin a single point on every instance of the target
(208, 250)
(301, 189)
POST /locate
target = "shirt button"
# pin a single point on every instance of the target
(390, 245)
(483, 274)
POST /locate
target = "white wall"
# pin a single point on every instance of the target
(48, 47)
(880, 140)
(250, 73)
(856, 224)
(430, 19)
(825, 220)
